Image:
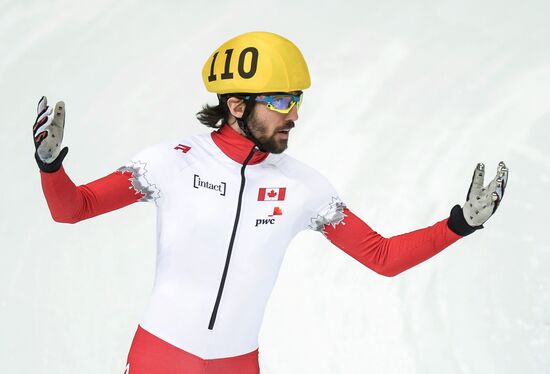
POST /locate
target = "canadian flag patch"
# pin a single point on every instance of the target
(272, 194)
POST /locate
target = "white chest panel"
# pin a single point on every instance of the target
(196, 187)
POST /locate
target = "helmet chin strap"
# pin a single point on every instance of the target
(243, 122)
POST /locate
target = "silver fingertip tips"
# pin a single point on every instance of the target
(480, 166)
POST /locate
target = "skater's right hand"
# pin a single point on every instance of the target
(48, 135)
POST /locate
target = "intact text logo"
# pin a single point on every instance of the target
(198, 182)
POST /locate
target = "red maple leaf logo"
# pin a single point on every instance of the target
(271, 194)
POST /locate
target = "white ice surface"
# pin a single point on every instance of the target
(406, 98)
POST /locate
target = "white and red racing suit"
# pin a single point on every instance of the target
(226, 213)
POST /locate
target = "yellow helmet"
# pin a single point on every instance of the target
(256, 62)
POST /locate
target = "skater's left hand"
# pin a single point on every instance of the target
(481, 202)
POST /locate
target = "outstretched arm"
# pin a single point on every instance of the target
(391, 256)
(67, 202)
(388, 256)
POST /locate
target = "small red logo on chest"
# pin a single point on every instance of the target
(272, 194)
(182, 147)
(276, 212)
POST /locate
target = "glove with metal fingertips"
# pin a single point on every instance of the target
(48, 135)
(481, 202)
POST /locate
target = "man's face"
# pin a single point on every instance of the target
(271, 128)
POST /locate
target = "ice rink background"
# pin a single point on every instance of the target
(406, 98)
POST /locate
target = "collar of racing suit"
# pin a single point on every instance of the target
(236, 146)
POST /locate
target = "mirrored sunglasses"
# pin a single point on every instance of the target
(281, 102)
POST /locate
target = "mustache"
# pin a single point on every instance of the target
(288, 126)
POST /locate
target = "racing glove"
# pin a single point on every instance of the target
(48, 135)
(481, 202)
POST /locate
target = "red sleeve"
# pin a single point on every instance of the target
(70, 204)
(388, 256)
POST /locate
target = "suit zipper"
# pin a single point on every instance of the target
(230, 249)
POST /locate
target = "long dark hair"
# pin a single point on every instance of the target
(215, 116)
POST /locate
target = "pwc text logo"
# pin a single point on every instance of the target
(198, 182)
(269, 221)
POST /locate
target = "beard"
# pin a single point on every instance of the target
(270, 143)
